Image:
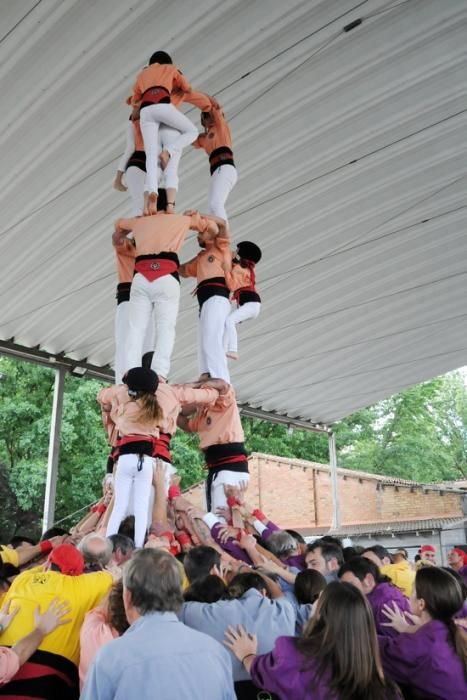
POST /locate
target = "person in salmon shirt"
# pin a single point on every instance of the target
(155, 289)
(217, 142)
(213, 295)
(132, 164)
(240, 276)
(222, 442)
(152, 96)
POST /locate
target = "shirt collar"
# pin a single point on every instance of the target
(153, 618)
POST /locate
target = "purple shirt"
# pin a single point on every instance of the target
(426, 662)
(281, 672)
(231, 546)
(385, 594)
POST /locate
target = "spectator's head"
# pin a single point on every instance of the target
(21, 541)
(457, 558)
(329, 539)
(241, 583)
(206, 590)
(362, 573)
(400, 555)
(323, 557)
(160, 57)
(7, 573)
(66, 559)
(116, 616)
(458, 578)
(308, 585)
(54, 532)
(341, 638)
(437, 595)
(122, 548)
(96, 551)
(377, 554)
(151, 583)
(349, 553)
(296, 535)
(282, 544)
(428, 553)
(202, 561)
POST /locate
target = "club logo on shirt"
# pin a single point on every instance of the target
(264, 695)
(211, 135)
(211, 258)
(155, 266)
(209, 420)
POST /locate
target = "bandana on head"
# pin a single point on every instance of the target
(68, 559)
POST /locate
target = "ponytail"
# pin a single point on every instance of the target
(150, 409)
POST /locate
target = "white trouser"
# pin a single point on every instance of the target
(169, 471)
(128, 479)
(151, 117)
(222, 183)
(121, 335)
(244, 312)
(211, 353)
(218, 497)
(163, 294)
(169, 176)
(135, 178)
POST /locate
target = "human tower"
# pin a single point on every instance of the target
(142, 410)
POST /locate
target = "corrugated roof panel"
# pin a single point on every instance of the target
(352, 165)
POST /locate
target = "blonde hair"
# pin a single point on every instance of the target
(150, 409)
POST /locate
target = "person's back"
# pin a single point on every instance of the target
(158, 656)
(266, 618)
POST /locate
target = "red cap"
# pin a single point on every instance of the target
(68, 559)
(427, 548)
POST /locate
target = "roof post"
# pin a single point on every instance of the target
(54, 450)
(336, 516)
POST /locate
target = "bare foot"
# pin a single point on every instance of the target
(152, 203)
(164, 157)
(146, 204)
(204, 377)
(232, 355)
(170, 209)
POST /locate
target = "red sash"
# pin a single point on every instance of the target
(226, 460)
(153, 269)
(161, 447)
(155, 95)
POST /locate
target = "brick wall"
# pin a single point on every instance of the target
(297, 494)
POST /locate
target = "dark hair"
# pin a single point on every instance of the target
(199, 562)
(296, 535)
(7, 571)
(127, 527)
(349, 553)
(115, 608)
(328, 551)
(206, 590)
(443, 599)
(54, 532)
(341, 639)
(161, 206)
(380, 551)
(329, 539)
(458, 578)
(308, 585)
(17, 540)
(153, 579)
(123, 543)
(361, 567)
(160, 57)
(241, 583)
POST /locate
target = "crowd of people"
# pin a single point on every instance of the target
(150, 597)
(224, 605)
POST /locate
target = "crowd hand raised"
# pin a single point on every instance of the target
(6, 615)
(194, 513)
(118, 184)
(399, 620)
(247, 541)
(226, 532)
(190, 212)
(53, 617)
(240, 642)
(158, 478)
(224, 512)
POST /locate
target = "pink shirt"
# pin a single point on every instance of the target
(124, 412)
(172, 397)
(9, 664)
(95, 632)
(162, 232)
(219, 423)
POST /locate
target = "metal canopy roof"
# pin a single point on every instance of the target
(352, 162)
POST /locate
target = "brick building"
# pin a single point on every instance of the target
(297, 494)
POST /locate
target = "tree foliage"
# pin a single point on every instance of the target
(419, 434)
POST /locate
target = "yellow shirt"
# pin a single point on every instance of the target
(401, 575)
(9, 556)
(39, 587)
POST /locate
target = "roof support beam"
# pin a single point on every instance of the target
(54, 450)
